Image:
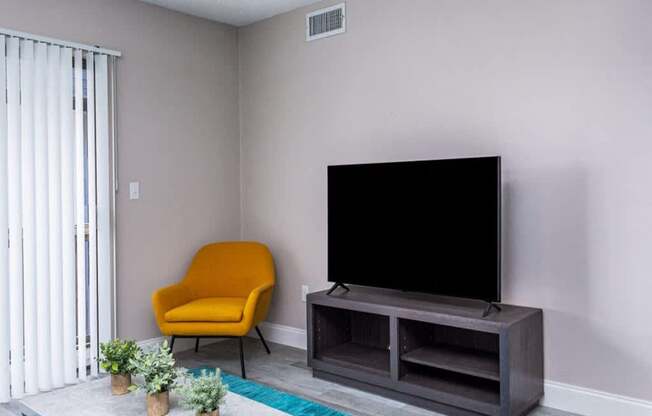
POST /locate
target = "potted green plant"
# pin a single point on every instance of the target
(204, 394)
(116, 359)
(159, 377)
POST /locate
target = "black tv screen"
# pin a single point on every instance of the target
(425, 226)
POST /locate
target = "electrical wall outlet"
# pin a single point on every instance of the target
(304, 292)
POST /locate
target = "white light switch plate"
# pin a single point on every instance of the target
(304, 292)
(134, 190)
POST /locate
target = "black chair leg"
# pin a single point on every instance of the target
(260, 335)
(197, 345)
(242, 364)
(172, 343)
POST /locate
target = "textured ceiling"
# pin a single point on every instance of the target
(233, 12)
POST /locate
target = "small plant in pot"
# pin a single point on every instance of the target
(204, 394)
(116, 360)
(159, 377)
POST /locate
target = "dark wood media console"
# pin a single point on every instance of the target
(430, 351)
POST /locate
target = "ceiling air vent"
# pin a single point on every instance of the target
(325, 22)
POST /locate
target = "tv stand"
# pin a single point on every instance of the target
(429, 351)
(490, 306)
(335, 286)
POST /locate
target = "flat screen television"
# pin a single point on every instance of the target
(425, 226)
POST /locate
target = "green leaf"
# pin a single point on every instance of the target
(116, 356)
(204, 393)
(156, 368)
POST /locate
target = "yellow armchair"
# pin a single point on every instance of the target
(225, 293)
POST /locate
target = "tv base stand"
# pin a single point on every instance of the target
(490, 306)
(429, 351)
(335, 286)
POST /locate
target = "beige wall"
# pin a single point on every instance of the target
(178, 134)
(561, 89)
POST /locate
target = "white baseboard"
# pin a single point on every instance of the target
(590, 402)
(560, 396)
(282, 334)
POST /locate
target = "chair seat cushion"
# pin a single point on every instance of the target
(208, 310)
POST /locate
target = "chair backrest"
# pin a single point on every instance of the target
(229, 269)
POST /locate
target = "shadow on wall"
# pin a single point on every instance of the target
(548, 263)
(545, 252)
(589, 342)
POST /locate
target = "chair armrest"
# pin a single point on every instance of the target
(257, 304)
(169, 298)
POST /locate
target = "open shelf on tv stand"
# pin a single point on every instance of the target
(434, 352)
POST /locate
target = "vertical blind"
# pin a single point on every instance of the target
(54, 213)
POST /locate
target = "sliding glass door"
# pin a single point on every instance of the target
(56, 270)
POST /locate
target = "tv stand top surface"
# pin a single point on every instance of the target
(411, 305)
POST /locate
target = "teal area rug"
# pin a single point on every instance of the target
(285, 402)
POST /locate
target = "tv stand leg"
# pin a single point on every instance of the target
(489, 307)
(336, 285)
